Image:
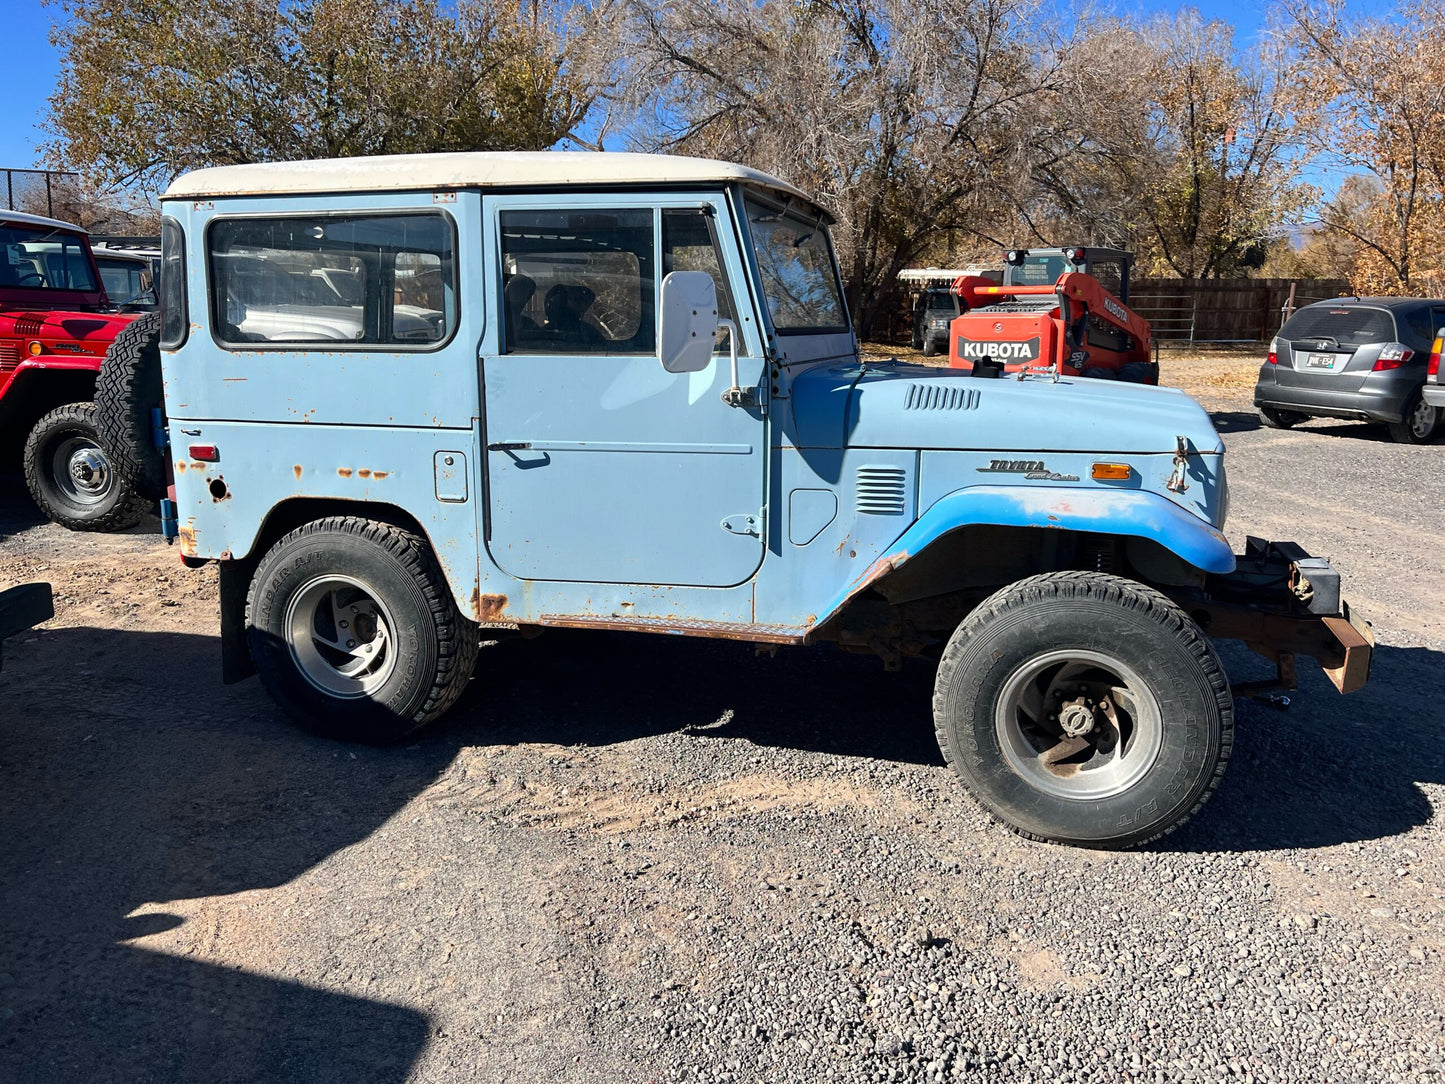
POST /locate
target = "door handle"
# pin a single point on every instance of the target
(509, 446)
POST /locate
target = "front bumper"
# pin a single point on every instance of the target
(1379, 397)
(1281, 602)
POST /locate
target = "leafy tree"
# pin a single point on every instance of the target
(149, 88)
(1372, 101)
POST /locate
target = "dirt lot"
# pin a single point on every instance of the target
(633, 859)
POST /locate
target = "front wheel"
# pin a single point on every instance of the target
(1085, 709)
(1420, 423)
(72, 480)
(354, 631)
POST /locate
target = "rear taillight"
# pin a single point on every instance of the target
(1434, 367)
(1393, 356)
(1273, 357)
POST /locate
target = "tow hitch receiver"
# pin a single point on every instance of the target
(1282, 602)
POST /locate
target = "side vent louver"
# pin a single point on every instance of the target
(942, 395)
(9, 356)
(881, 490)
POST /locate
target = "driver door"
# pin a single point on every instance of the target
(601, 466)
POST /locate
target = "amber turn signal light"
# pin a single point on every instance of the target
(35, 348)
(1112, 472)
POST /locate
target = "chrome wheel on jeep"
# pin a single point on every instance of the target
(354, 632)
(1078, 724)
(340, 637)
(70, 477)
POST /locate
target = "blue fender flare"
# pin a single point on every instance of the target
(1104, 511)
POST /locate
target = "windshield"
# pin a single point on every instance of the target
(124, 279)
(800, 279)
(1037, 271)
(41, 258)
(1343, 325)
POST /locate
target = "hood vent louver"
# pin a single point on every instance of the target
(942, 395)
(881, 491)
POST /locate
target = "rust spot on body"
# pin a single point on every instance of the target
(187, 536)
(363, 473)
(345, 472)
(380, 474)
(180, 466)
(296, 470)
(488, 608)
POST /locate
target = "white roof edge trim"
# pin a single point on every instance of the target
(468, 169)
(40, 220)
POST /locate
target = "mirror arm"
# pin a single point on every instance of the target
(736, 395)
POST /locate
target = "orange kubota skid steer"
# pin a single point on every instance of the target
(1053, 309)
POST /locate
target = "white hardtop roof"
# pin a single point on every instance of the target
(38, 220)
(469, 169)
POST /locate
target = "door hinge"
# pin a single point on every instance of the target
(745, 523)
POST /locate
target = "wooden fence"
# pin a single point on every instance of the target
(1224, 310)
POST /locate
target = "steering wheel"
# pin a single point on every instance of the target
(31, 278)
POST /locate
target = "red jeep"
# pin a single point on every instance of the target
(54, 330)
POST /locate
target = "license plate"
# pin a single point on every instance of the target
(1320, 361)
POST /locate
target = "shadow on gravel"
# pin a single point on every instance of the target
(129, 777)
(1235, 421)
(592, 688)
(1330, 769)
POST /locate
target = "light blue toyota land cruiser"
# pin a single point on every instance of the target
(408, 398)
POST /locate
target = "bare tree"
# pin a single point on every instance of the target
(906, 117)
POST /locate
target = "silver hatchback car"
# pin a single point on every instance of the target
(1362, 358)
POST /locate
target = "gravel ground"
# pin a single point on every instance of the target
(649, 859)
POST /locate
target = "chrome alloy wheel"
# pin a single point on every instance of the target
(1422, 419)
(341, 637)
(81, 471)
(1078, 724)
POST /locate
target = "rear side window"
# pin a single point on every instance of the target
(1422, 324)
(578, 282)
(1344, 326)
(171, 289)
(334, 280)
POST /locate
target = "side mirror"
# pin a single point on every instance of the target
(689, 321)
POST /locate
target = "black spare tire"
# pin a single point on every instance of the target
(126, 392)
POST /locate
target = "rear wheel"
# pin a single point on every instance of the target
(1084, 708)
(1420, 423)
(72, 480)
(1099, 372)
(354, 631)
(1281, 419)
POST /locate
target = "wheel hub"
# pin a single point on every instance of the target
(1078, 724)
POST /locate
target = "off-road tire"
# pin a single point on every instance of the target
(1140, 372)
(1420, 424)
(436, 647)
(1281, 419)
(1095, 612)
(127, 389)
(930, 348)
(114, 508)
(1098, 372)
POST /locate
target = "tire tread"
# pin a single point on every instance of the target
(1128, 595)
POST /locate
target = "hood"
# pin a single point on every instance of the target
(63, 332)
(893, 405)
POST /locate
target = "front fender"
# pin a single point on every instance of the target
(1104, 511)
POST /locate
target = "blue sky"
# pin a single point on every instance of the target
(25, 86)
